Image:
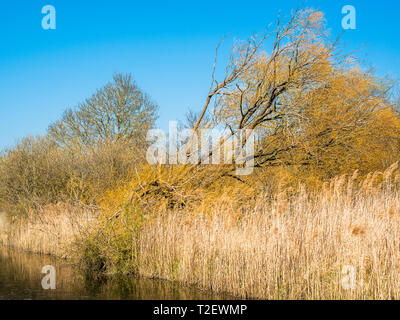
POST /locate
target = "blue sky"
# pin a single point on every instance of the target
(168, 46)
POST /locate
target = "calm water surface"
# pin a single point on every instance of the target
(20, 278)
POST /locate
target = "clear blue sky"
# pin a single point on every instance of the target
(167, 45)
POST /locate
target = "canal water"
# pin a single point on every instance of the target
(21, 279)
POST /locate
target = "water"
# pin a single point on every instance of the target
(21, 277)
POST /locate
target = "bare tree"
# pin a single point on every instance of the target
(118, 111)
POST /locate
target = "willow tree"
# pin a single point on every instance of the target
(260, 82)
(310, 106)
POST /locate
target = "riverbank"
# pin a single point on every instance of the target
(289, 248)
(21, 277)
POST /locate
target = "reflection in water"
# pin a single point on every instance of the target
(20, 278)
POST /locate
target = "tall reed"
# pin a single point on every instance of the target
(56, 230)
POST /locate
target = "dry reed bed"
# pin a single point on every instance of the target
(292, 249)
(54, 230)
